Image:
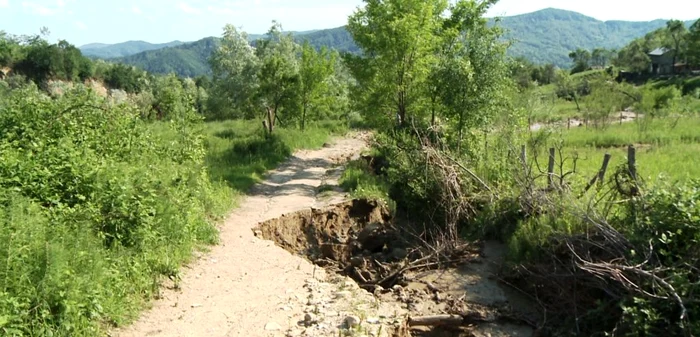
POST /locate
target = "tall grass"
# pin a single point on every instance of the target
(239, 153)
(666, 148)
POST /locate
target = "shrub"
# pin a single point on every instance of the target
(94, 207)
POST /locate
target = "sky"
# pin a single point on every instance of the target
(158, 21)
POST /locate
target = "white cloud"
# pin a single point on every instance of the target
(189, 9)
(4, 3)
(39, 9)
(81, 25)
(136, 10)
(60, 3)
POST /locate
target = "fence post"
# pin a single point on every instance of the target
(632, 167)
(550, 168)
(601, 173)
(568, 123)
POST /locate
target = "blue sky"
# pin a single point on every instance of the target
(109, 21)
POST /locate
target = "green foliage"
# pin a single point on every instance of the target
(315, 71)
(124, 77)
(399, 39)
(549, 35)
(278, 76)
(42, 61)
(362, 182)
(95, 206)
(658, 102)
(186, 60)
(235, 68)
(123, 49)
(693, 40)
(581, 59)
(526, 74)
(239, 154)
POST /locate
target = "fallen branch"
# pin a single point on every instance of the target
(436, 320)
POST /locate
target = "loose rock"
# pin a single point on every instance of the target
(272, 326)
(351, 321)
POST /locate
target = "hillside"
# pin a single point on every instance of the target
(545, 36)
(189, 59)
(101, 50)
(548, 35)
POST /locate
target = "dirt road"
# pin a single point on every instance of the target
(244, 286)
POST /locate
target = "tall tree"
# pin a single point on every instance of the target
(600, 57)
(399, 43)
(693, 39)
(677, 31)
(278, 75)
(315, 69)
(581, 59)
(472, 71)
(634, 57)
(235, 75)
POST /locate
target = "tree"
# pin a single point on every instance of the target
(278, 75)
(677, 31)
(601, 56)
(693, 39)
(314, 71)
(235, 75)
(399, 43)
(581, 59)
(472, 71)
(634, 57)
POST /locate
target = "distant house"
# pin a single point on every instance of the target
(661, 61)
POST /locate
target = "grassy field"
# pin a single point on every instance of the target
(238, 154)
(666, 149)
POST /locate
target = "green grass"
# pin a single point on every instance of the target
(362, 183)
(239, 154)
(688, 85)
(668, 148)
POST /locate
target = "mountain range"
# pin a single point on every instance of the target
(545, 36)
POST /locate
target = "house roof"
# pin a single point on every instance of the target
(659, 51)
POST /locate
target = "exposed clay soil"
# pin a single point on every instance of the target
(250, 286)
(358, 239)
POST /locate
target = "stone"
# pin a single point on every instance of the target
(310, 318)
(399, 253)
(373, 320)
(351, 321)
(343, 294)
(336, 252)
(357, 261)
(272, 326)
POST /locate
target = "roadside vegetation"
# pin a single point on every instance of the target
(111, 177)
(608, 257)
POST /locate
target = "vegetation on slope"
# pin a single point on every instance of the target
(123, 49)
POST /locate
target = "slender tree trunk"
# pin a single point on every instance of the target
(303, 117)
(578, 107)
(270, 121)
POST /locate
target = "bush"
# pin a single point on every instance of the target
(94, 207)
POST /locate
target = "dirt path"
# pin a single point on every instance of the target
(244, 286)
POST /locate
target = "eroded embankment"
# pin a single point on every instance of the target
(358, 239)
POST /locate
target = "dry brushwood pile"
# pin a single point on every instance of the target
(359, 239)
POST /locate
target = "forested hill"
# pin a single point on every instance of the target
(548, 35)
(545, 36)
(190, 59)
(104, 51)
(187, 60)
